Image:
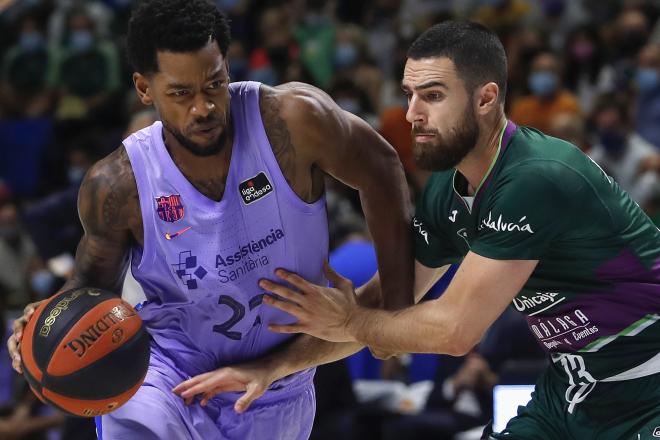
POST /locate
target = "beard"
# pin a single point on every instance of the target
(443, 153)
(194, 147)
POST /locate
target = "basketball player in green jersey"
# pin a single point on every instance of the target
(535, 225)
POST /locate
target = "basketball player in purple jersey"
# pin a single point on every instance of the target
(224, 189)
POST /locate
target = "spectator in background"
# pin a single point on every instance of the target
(238, 69)
(17, 253)
(501, 15)
(353, 62)
(88, 69)
(315, 36)
(276, 49)
(629, 159)
(52, 221)
(548, 96)
(647, 81)
(629, 33)
(26, 72)
(522, 46)
(22, 415)
(585, 57)
(571, 128)
(353, 99)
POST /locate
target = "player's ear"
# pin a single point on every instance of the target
(487, 97)
(142, 88)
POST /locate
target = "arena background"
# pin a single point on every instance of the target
(584, 70)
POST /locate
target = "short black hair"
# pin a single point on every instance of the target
(173, 25)
(476, 52)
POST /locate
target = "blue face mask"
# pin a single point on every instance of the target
(543, 83)
(351, 105)
(42, 282)
(81, 41)
(613, 141)
(31, 41)
(646, 79)
(75, 175)
(266, 75)
(345, 55)
(238, 68)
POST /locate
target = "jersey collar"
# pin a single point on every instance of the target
(505, 136)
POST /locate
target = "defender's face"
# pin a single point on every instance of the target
(445, 128)
(191, 94)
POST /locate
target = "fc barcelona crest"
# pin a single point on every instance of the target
(169, 208)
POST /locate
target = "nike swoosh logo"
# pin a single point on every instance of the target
(169, 236)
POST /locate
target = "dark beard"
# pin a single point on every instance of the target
(194, 147)
(443, 154)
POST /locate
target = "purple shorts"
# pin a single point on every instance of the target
(284, 412)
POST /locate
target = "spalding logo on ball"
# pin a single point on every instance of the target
(85, 351)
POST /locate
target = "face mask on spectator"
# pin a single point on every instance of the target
(646, 79)
(582, 50)
(42, 282)
(238, 68)
(81, 41)
(351, 105)
(543, 83)
(612, 140)
(75, 175)
(32, 40)
(346, 55)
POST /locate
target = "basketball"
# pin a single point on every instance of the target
(85, 351)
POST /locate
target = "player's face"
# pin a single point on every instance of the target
(444, 123)
(190, 92)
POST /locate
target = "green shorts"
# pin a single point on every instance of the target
(623, 410)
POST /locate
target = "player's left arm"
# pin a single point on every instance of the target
(347, 148)
(452, 324)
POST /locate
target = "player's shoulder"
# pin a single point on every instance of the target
(533, 155)
(113, 170)
(299, 101)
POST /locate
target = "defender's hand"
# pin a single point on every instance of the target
(14, 341)
(254, 380)
(322, 312)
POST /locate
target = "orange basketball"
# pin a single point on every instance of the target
(85, 351)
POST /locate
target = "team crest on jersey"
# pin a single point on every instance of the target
(255, 188)
(169, 208)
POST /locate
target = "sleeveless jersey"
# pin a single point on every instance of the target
(593, 301)
(201, 260)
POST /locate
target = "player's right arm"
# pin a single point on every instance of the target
(109, 211)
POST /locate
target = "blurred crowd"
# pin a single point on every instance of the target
(587, 71)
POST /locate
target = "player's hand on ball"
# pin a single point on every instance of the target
(14, 341)
(323, 312)
(252, 379)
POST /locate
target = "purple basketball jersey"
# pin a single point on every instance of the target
(202, 259)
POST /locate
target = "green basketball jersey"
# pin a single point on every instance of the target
(595, 294)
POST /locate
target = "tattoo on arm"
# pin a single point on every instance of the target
(110, 213)
(277, 132)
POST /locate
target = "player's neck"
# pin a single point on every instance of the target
(476, 164)
(212, 165)
(208, 174)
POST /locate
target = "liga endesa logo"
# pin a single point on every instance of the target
(255, 188)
